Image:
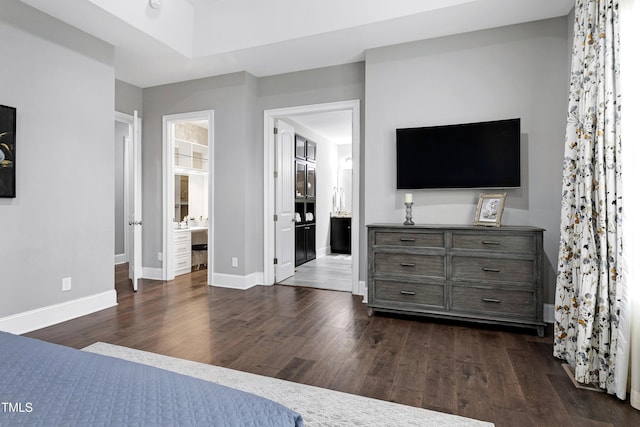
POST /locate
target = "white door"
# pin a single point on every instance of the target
(135, 203)
(284, 203)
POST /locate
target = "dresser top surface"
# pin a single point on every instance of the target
(456, 227)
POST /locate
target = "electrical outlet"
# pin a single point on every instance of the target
(66, 284)
(234, 262)
(159, 256)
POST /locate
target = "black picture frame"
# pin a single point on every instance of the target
(7, 151)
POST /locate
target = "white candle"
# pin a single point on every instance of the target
(408, 198)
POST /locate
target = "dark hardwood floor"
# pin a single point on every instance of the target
(324, 338)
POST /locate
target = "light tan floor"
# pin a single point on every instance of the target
(331, 271)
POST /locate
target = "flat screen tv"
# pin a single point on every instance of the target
(470, 155)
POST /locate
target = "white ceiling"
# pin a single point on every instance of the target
(189, 39)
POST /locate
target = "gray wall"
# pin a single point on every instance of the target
(128, 98)
(239, 100)
(61, 222)
(253, 166)
(514, 71)
(237, 166)
(318, 86)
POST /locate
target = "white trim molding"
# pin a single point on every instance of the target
(235, 281)
(120, 259)
(39, 318)
(168, 189)
(323, 251)
(152, 273)
(362, 290)
(269, 184)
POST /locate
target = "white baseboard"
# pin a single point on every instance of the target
(31, 320)
(362, 290)
(234, 281)
(151, 273)
(120, 259)
(320, 252)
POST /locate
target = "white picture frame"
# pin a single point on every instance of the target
(489, 210)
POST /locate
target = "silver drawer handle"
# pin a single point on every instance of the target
(497, 301)
(490, 242)
(407, 264)
(407, 293)
(407, 239)
(491, 270)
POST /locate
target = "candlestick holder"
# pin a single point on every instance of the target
(409, 214)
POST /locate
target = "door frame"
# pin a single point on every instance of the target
(168, 194)
(270, 117)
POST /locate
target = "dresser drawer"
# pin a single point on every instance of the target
(511, 302)
(414, 264)
(414, 240)
(182, 264)
(494, 242)
(417, 293)
(181, 244)
(182, 248)
(181, 236)
(494, 269)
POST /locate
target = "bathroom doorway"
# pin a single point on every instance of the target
(188, 194)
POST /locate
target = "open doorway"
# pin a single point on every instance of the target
(322, 200)
(128, 215)
(188, 194)
(122, 134)
(329, 169)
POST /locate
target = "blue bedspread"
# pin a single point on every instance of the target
(50, 385)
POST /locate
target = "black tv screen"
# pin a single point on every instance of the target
(470, 155)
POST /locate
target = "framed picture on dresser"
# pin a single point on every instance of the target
(7, 151)
(489, 209)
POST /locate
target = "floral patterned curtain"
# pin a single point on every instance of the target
(586, 306)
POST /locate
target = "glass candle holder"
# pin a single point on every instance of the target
(409, 214)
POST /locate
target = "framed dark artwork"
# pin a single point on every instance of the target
(7, 151)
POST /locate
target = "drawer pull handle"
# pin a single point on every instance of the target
(407, 264)
(490, 242)
(491, 270)
(497, 301)
(407, 239)
(407, 293)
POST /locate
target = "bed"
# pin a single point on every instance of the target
(48, 384)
